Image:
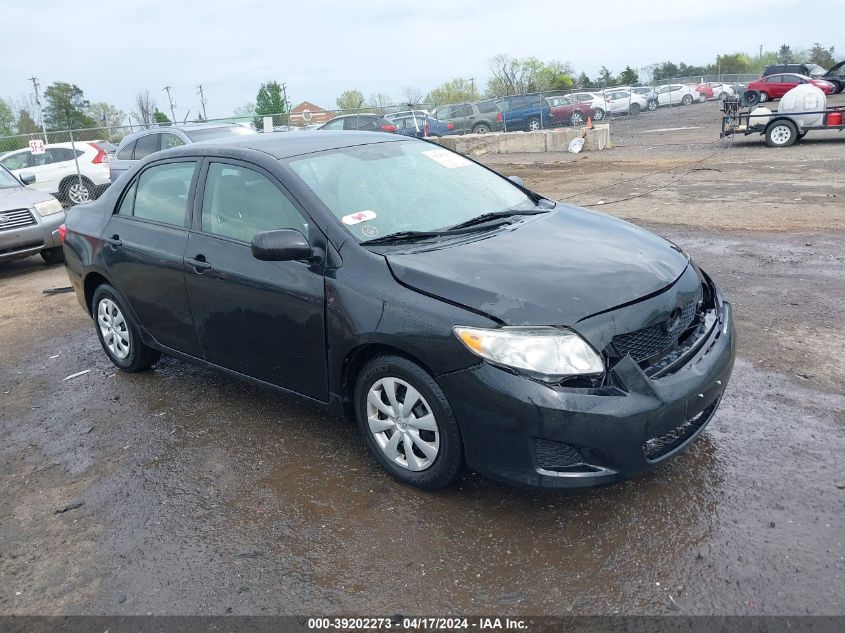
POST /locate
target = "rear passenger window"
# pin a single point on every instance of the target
(239, 202)
(463, 111)
(146, 145)
(169, 141)
(128, 200)
(126, 152)
(486, 106)
(162, 194)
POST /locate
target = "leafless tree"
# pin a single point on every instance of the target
(145, 105)
(413, 96)
(379, 102)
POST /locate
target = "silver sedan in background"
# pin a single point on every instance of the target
(29, 220)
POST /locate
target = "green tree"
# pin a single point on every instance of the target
(734, 63)
(161, 118)
(605, 77)
(555, 75)
(26, 124)
(105, 114)
(66, 107)
(268, 101)
(584, 81)
(7, 118)
(822, 56)
(454, 91)
(350, 101)
(628, 76)
(784, 54)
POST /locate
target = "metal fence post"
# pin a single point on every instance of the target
(76, 162)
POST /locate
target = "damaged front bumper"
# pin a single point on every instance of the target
(521, 431)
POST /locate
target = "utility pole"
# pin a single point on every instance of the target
(472, 84)
(167, 89)
(287, 103)
(36, 86)
(202, 101)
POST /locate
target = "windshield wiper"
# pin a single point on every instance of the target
(487, 217)
(404, 236)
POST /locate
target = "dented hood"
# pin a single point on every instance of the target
(552, 269)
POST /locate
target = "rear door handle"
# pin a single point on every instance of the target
(114, 241)
(198, 263)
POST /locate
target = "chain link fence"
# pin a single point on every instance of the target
(74, 165)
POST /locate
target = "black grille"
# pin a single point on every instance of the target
(16, 219)
(662, 445)
(650, 341)
(551, 455)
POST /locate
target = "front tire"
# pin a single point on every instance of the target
(118, 333)
(598, 114)
(686, 100)
(764, 97)
(407, 423)
(652, 105)
(55, 255)
(634, 109)
(533, 124)
(781, 133)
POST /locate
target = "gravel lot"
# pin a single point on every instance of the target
(204, 495)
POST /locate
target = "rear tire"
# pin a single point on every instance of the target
(74, 192)
(686, 100)
(481, 129)
(533, 124)
(652, 105)
(634, 108)
(118, 332)
(429, 426)
(55, 255)
(577, 118)
(598, 114)
(781, 133)
(764, 97)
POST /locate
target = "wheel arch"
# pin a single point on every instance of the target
(93, 280)
(354, 362)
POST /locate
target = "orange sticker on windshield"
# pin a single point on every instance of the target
(357, 218)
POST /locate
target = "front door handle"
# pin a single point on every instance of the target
(114, 241)
(198, 263)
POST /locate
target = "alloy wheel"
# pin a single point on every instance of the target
(403, 424)
(114, 328)
(78, 193)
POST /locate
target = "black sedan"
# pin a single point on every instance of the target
(467, 321)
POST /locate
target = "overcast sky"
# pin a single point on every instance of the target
(320, 48)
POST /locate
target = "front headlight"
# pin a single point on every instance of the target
(546, 352)
(48, 208)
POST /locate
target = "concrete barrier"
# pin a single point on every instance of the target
(556, 140)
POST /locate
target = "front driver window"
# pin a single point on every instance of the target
(16, 161)
(239, 202)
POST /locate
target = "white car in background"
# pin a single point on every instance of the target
(721, 88)
(624, 102)
(55, 169)
(595, 101)
(676, 94)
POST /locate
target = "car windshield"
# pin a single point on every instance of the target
(209, 133)
(7, 180)
(384, 188)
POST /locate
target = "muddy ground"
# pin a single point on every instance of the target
(204, 495)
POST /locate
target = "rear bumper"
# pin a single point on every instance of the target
(528, 433)
(30, 240)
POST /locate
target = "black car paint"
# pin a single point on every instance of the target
(569, 267)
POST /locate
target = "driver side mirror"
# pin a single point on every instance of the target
(282, 245)
(517, 180)
(27, 178)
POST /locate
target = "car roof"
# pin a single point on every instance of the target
(288, 145)
(185, 127)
